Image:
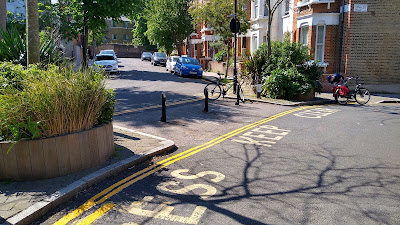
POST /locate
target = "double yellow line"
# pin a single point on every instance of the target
(119, 186)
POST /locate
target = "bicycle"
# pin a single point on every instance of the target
(216, 89)
(342, 96)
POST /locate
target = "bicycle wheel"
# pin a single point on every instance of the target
(362, 96)
(214, 91)
(342, 100)
(241, 94)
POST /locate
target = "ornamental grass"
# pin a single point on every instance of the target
(52, 101)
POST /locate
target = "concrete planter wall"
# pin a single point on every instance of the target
(57, 156)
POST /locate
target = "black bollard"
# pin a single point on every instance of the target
(237, 95)
(206, 100)
(164, 110)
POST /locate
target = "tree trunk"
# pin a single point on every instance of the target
(227, 60)
(3, 14)
(85, 41)
(269, 35)
(32, 32)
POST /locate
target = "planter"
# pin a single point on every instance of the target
(307, 97)
(56, 156)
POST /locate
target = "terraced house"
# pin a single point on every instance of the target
(353, 37)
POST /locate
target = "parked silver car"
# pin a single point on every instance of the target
(171, 63)
(159, 58)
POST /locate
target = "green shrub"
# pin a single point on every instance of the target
(51, 102)
(13, 48)
(313, 74)
(220, 56)
(285, 84)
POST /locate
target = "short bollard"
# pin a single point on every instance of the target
(237, 95)
(164, 110)
(205, 100)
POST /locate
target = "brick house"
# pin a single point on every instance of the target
(367, 46)
(119, 32)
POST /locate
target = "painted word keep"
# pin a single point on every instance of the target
(265, 135)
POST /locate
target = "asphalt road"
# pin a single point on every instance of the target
(249, 164)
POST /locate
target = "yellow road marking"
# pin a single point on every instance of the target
(94, 216)
(157, 106)
(119, 186)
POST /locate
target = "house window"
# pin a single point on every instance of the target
(304, 35)
(255, 8)
(244, 42)
(320, 43)
(255, 42)
(125, 24)
(113, 24)
(287, 7)
(264, 39)
(125, 37)
(266, 10)
(114, 36)
(245, 6)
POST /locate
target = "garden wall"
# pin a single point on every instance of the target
(57, 156)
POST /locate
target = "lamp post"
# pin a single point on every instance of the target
(235, 26)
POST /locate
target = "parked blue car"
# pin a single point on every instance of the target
(187, 66)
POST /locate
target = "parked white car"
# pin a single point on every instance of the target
(107, 62)
(108, 52)
(171, 63)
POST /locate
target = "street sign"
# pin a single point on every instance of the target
(234, 25)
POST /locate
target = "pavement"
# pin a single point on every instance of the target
(26, 202)
(320, 98)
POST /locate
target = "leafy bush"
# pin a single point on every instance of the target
(220, 56)
(284, 55)
(51, 102)
(255, 63)
(13, 48)
(285, 84)
(287, 72)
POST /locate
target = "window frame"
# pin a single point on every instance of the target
(287, 7)
(256, 5)
(318, 27)
(301, 39)
(266, 10)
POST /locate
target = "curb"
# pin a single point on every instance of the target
(41, 208)
(389, 101)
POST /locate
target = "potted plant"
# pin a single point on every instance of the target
(53, 121)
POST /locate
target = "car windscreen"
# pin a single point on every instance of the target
(175, 59)
(161, 55)
(104, 57)
(146, 53)
(107, 52)
(190, 61)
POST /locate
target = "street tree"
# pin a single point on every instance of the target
(168, 23)
(32, 32)
(272, 6)
(217, 14)
(139, 30)
(78, 17)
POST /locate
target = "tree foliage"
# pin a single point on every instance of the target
(168, 23)
(215, 13)
(78, 17)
